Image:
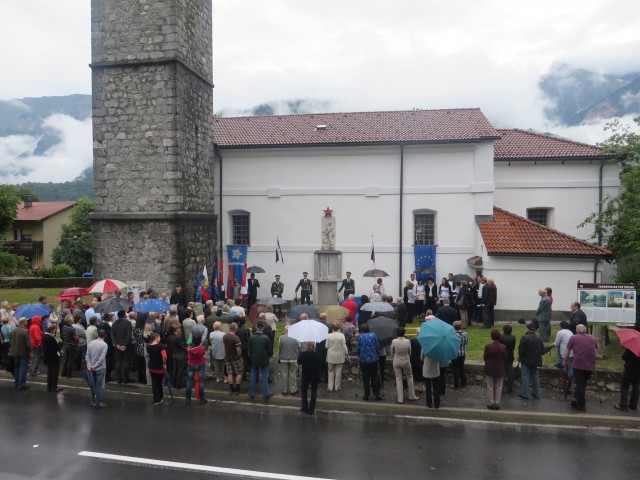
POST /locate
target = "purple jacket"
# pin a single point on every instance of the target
(583, 346)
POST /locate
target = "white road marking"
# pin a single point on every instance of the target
(194, 467)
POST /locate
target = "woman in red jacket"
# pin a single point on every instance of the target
(35, 336)
(195, 365)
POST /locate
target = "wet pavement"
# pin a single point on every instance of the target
(468, 403)
(44, 433)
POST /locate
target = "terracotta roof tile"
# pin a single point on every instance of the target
(40, 211)
(517, 144)
(510, 234)
(423, 126)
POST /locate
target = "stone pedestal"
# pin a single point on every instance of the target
(327, 275)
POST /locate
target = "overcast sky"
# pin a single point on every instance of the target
(356, 55)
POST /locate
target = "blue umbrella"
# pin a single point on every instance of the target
(32, 310)
(151, 305)
(439, 340)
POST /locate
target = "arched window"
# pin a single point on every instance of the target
(424, 227)
(240, 227)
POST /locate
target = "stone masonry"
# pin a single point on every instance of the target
(154, 216)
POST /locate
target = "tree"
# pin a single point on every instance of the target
(619, 222)
(8, 207)
(74, 247)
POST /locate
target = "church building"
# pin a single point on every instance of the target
(502, 203)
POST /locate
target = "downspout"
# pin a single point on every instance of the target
(401, 216)
(220, 215)
(600, 199)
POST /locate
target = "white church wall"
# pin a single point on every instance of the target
(570, 189)
(518, 280)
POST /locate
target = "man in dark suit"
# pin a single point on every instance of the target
(578, 317)
(447, 313)
(306, 289)
(252, 290)
(349, 286)
(431, 296)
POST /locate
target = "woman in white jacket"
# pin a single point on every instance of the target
(337, 351)
(401, 355)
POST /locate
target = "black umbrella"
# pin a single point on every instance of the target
(255, 269)
(375, 273)
(114, 304)
(310, 310)
(271, 301)
(385, 328)
(462, 276)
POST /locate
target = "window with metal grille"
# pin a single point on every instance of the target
(539, 215)
(424, 228)
(240, 233)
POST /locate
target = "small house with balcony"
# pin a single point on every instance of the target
(36, 230)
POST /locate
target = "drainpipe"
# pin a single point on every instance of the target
(220, 216)
(600, 199)
(401, 215)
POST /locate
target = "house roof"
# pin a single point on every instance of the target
(411, 126)
(510, 234)
(40, 211)
(515, 144)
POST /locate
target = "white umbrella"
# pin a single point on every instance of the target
(308, 331)
(377, 307)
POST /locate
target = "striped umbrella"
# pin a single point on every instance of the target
(108, 285)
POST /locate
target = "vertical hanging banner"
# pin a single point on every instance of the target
(236, 258)
(425, 261)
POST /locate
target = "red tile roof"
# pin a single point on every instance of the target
(510, 234)
(412, 126)
(517, 144)
(40, 211)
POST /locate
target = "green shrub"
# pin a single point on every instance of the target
(57, 271)
(11, 264)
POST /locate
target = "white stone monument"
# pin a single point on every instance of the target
(327, 263)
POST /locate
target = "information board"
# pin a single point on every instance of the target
(607, 302)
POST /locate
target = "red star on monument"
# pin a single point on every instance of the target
(327, 212)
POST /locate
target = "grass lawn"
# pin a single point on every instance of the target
(28, 295)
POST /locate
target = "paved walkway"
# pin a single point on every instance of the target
(468, 403)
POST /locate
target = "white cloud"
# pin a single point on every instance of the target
(359, 55)
(60, 163)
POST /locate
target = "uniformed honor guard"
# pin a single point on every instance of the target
(277, 288)
(306, 289)
(349, 286)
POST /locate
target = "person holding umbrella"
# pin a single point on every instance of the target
(310, 362)
(630, 378)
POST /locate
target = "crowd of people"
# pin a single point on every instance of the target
(191, 342)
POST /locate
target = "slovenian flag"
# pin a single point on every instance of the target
(279, 256)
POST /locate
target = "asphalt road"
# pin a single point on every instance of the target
(42, 436)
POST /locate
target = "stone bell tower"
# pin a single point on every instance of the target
(153, 173)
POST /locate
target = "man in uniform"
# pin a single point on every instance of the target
(306, 289)
(277, 288)
(349, 286)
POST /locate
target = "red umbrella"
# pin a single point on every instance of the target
(629, 338)
(108, 285)
(73, 293)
